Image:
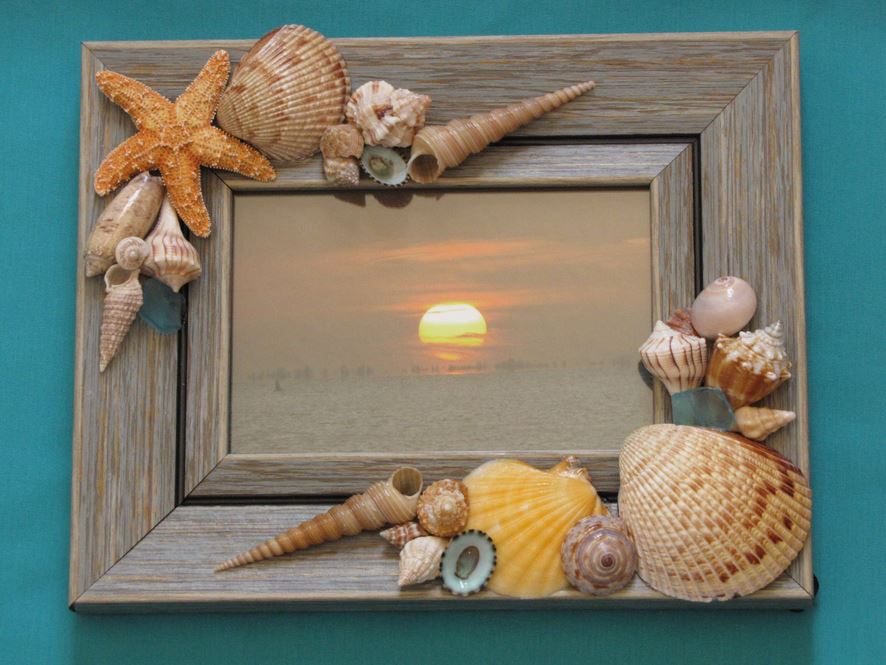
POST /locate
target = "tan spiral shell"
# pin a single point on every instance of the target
(123, 299)
(131, 252)
(759, 422)
(172, 259)
(392, 501)
(401, 534)
(437, 148)
(597, 555)
(341, 141)
(285, 92)
(420, 560)
(678, 360)
(443, 508)
(387, 116)
(712, 515)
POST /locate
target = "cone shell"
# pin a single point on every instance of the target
(724, 307)
(437, 148)
(677, 359)
(401, 534)
(386, 116)
(758, 423)
(393, 501)
(172, 259)
(598, 557)
(342, 170)
(131, 252)
(527, 513)
(750, 366)
(123, 299)
(712, 515)
(443, 508)
(285, 92)
(131, 213)
(420, 560)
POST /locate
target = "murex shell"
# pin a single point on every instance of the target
(123, 300)
(598, 557)
(420, 560)
(285, 92)
(386, 116)
(712, 515)
(443, 508)
(527, 513)
(724, 307)
(677, 359)
(749, 367)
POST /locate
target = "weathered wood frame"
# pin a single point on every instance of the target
(708, 122)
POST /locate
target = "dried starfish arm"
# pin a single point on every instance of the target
(147, 108)
(196, 105)
(136, 154)
(218, 150)
(181, 175)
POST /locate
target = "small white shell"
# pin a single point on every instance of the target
(383, 165)
(420, 560)
(131, 252)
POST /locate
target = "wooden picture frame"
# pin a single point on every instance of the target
(708, 122)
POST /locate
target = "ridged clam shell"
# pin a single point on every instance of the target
(285, 92)
(401, 534)
(443, 508)
(759, 422)
(527, 513)
(420, 560)
(678, 360)
(749, 367)
(123, 299)
(598, 557)
(387, 116)
(712, 515)
(724, 307)
(171, 259)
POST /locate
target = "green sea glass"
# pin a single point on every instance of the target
(703, 407)
(163, 308)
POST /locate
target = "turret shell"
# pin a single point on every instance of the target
(123, 299)
(678, 360)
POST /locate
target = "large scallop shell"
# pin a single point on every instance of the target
(750, 366)
(285, 92)
(712, 515)
(527, 513)
(677, 359)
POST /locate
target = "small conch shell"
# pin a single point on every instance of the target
(391, 501)
(598, 557)
(401, 534)
(383, 165)
(131, 252)
(724, 307)
(437, 148)
(677, 359)
(759, 422)
(386, 116)
(420, 560)
(443, 508)
(131, 213)
(172, 260)
(749, 367)
(123, 299)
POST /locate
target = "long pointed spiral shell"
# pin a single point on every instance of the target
(172, 259)
(676, 359)
(401, 534)
(598, 557)
(420, 560)
(759, 422)
(123, 299)
(437, 148)
(392, 501)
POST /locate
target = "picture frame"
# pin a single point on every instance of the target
(709, 123)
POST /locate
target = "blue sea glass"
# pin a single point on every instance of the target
(703, 407)
(163, 308)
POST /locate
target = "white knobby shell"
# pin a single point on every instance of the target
(420, 560)
(387, 116)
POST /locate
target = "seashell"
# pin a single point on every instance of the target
(598, 557)
(759, 422)
(401, 534)
(341, 170)
(386, 116)
(341, 141)
(123, 299)
(712, 515)
(527, 512)
(131, 213)
(468, 562)
(443, 508)
(285, 92)
(391, 501)
(724, 307)
(437, 148)
(420, 560)
(383, 165)
(681, 321)
(677, 359)
(131, 252)
(750, 366)
(172, 260)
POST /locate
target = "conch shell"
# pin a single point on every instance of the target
(285, 92)
(131, 252)
(527, 513)
(437, 148)
(131, 213)
(759, 422)
(172, 260)
(749, 367)
(598, 557)
(712, 515)
(677, 359)
(386, 502)
(724, 307)
(401, 534)
(123, 299)
(386, 116)
(443, 508)
(420, 560)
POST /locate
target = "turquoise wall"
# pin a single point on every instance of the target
(844, 97)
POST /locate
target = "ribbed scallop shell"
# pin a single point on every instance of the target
(712, 515)
(123, 300)
(386, 116)
(420, 560)
(443, 508)
(598, 557)
(677, 359)
(750, 366)
(285, 92)
(527, 513)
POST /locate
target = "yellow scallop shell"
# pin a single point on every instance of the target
(527, 513)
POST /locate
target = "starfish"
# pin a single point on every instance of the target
(177, 139)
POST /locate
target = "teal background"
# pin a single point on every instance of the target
(844, 96)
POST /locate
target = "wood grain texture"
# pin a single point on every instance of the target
(172, 569)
